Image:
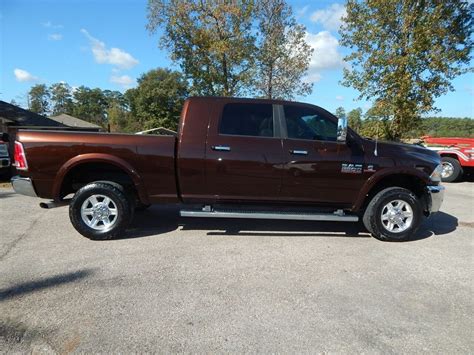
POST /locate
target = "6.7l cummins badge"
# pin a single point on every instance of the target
(349, 168)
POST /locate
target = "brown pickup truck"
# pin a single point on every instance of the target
(234, 158)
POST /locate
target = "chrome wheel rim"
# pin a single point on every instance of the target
(447, 171)
(99, 212)
(397, 216)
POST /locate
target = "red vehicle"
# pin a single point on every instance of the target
(457, 155)
(234, 158)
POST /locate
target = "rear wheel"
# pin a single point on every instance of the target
(394, 214)
(452, 170)
(100, 211)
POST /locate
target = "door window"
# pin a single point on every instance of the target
(307, 123)
(244, 119)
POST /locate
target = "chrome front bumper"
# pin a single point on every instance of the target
(23, 186)
(435, 197)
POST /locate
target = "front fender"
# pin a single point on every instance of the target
(386, 173)
(94, 158)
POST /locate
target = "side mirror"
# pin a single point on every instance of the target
(341, 130)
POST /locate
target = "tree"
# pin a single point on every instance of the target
(90, 105)
(340, 112)
(283, 56)
(405, 53)
(117, 111)
(158, 99)
(61, 98)
(211, 40)
(38, 99)
(377, 123)
(355, 119)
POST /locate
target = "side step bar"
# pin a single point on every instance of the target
(337, 216)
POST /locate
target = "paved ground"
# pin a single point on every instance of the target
(176, 285)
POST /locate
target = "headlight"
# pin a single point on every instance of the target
(436, 174)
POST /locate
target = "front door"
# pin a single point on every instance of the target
(244, 153)
(318, 169)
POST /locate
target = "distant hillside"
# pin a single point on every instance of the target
(444, 127)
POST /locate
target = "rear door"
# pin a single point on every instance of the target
(244, 153)
(318, 169)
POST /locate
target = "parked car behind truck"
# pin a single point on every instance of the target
(234, 158)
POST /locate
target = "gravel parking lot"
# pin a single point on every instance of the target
(177, 285)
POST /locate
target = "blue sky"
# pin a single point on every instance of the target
(105, 44)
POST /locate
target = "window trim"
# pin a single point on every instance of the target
(276, 123)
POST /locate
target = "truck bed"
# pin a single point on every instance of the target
(148, 160)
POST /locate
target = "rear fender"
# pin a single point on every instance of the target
(95, 158)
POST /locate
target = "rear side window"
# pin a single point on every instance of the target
(247, 120)
(307, 123)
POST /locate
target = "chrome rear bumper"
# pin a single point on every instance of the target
(435, 197)
(23, 186)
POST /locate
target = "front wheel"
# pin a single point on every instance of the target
(394, 214)
(100, 211)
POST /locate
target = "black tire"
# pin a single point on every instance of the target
(123, 209)
(455, 168)
(372, 218)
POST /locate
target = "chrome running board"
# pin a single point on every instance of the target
(207, 212)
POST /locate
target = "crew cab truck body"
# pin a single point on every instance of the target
(237, 158)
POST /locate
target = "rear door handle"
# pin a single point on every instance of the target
(298, 152)
(222, 148)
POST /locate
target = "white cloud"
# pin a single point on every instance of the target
(113, 56)
(49, 24)
(55, 37)
(123, 80)
(23, 76)
(301, 12)
(339, 98)
(325, 56)
(331, 17)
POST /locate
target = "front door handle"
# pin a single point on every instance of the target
(298, 152)
(222, 148)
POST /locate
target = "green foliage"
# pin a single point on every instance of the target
(354, 118)
(282, 55)
(340, 112)
(155, 102)
(90, 105)
(443, 127)
(117, 111)
(158, 99)
(61, 98)
(376, 123)
(405, 53)
(235, 48)
(38, 99)
(211, 40)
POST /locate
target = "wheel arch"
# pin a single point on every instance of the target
(449, 155)
(117, 170)
(414, 181)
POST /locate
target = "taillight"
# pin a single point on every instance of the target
(19, 157)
